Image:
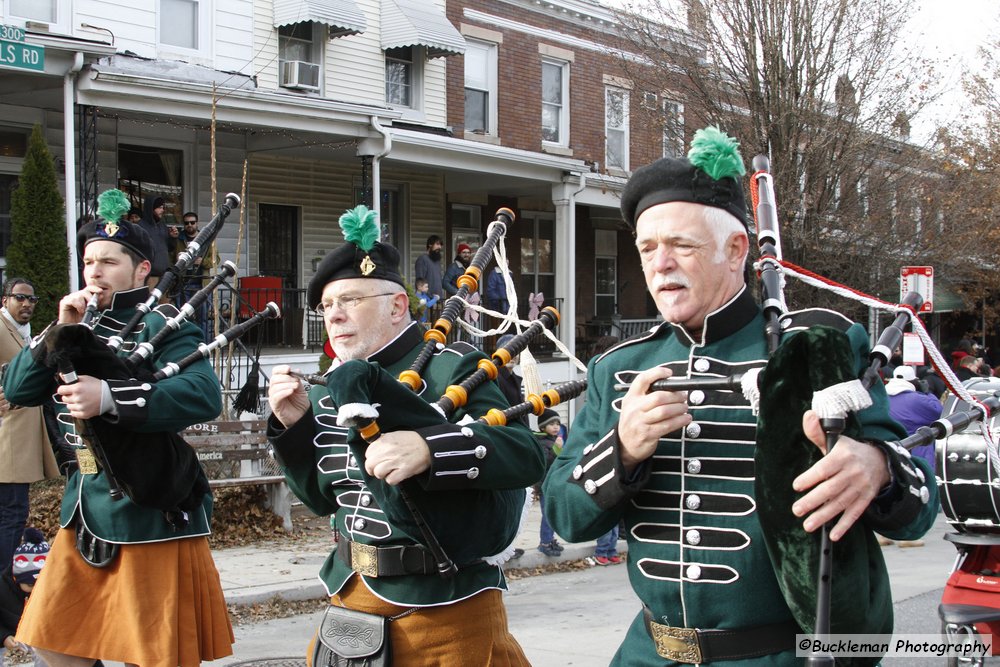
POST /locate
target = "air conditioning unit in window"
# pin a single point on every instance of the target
(299, 75)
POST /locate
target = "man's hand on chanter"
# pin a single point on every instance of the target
(648, 416)
(397, 456)
(844, 482)
(286, 396)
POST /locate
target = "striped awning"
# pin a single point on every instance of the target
(343, 16)
(419, 23)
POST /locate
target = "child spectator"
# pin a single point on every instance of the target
(551, 443)
(18, 580)
(427, 301)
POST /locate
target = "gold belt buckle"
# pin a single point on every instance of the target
(679, 644)
(364, 559)
(86, 461)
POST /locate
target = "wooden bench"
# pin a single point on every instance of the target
(236, 453)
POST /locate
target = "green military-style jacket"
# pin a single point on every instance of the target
(192, 396)
(696, 553)
(472, 496)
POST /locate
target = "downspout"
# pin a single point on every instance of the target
(376, 168)
(69, 162)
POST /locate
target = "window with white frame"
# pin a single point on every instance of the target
(299, 55)
(184, 24)
(45, 11)
(673, 128)
(538, 261)
(555, 106)
(403, 71)
(616, 127)
(480, 87)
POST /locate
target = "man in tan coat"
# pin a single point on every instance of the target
(25, 452)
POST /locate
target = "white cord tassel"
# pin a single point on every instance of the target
(751, 391)
(838, 400)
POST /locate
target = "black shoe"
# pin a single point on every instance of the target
(556, 546)
(518, 553)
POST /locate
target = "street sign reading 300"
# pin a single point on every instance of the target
(11, 33)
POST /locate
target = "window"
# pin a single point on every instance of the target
(673, 128)
(295, 42)
(299, 55)
(616, 127)
(555, 110)
(480, 87)
(8, 183)
(183, 24)
(605, 273)
(35, 10)
(402, 77)
(145, 171)
(537, 260)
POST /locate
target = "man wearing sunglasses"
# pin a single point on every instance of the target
(25, 453)
(194, 278)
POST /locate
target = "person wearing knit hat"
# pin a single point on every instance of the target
(147, 551)
(717, 524)
(463, 257)
(29, 557)
(551, 442)
(458, 473)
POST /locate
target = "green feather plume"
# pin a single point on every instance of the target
(716, 153)
(112, 205)
(359, 227)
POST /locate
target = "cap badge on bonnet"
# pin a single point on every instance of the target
(111, 205)
(359, 228)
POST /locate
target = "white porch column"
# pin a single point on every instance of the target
(563, 197)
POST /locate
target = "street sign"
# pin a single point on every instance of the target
(11, 33)
(919, 279)
(14, 53)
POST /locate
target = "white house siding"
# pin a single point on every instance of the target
(435, 94)
(229, 154)
(355, 65)
(265, 46)
(427, 212)
(323, 190)
(234, 31)
(133, 23)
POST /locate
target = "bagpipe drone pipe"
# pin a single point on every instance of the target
(157, 470)
(359, 389)
(817, 363)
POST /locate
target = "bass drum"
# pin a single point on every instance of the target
(967, 481)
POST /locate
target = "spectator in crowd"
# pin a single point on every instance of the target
(427, 300)
(428, 267)
(152, 221)
(913, 407)
(25, 452)
(463, 257)
(551, 443)
(496, 291)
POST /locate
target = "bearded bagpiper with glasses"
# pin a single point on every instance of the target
(379, 566)
(124, 581)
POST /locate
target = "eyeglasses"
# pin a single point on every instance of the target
(190, 222)
(21, 297)
(346, 302)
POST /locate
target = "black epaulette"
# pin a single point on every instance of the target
(167, 310)
(638, 338)
(799, 320)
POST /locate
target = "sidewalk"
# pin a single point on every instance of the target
(255, 574)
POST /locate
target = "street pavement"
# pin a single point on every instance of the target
(573, 618)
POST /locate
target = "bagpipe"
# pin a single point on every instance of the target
(158, 470)
(360, 388)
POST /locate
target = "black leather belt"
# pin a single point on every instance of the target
(690, 645)
(373, 561)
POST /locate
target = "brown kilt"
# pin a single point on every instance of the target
(467, 633)
(157, 605)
